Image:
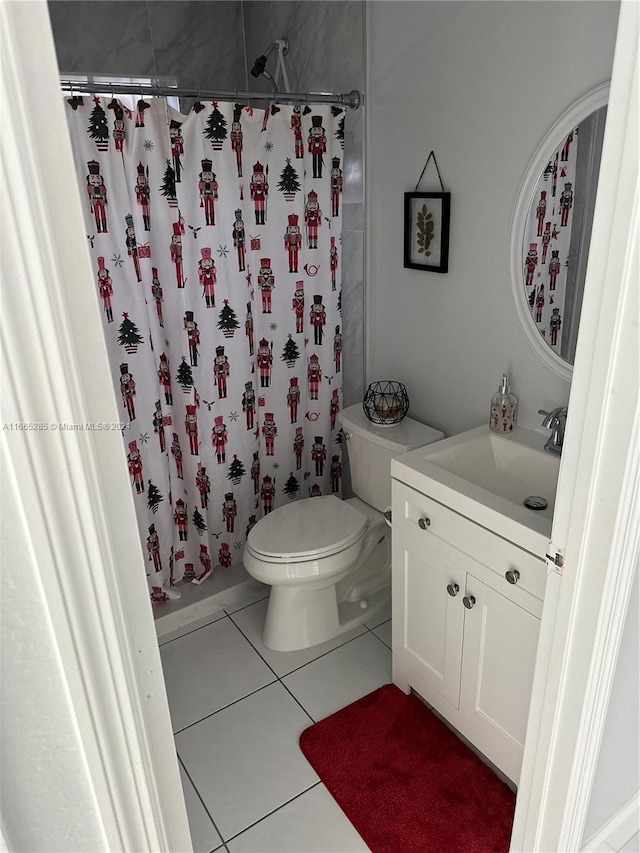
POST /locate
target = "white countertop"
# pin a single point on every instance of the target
(504, 475)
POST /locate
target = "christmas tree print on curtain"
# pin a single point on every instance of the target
(216, 128)
(198, 522)
(228, 320)
(222, 376)
(291, 487)
(339, 133)
(129, 335)
(153, 497)
(184, 376)
(168, 188)
(290, 353)
(98, 128)
(236, 471)
(289, 184)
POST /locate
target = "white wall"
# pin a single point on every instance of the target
(480, 83)
(88, 761)
(35, 700)
(616, 781)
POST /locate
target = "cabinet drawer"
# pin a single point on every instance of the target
(423, 517)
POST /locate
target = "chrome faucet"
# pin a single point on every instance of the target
(555, 420)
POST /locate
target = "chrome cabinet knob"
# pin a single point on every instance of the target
(424, 522)
(513, 575)
(468, 601)
(453, 589)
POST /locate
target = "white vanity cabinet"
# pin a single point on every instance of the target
(466, 614)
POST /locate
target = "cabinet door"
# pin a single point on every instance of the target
(500, 640)
(428, 620)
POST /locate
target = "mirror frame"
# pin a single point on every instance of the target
(577, 112)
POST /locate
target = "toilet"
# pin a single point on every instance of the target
(327, 560)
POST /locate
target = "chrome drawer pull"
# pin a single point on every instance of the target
(453, 589)
(424, 522)
(468, 601)
(513, 575)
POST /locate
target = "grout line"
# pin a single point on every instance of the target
(153, 50)
(193, 630)
(295, 698)
(204, 806)
(224, 707)
(275, 673)
(217, 616)
(373, 631)
(273, 811)
(244, 46)
(302, 666)
(254, 648)
(249, 604)
(324, 654)
(277, 678)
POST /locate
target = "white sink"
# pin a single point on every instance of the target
(487, 476)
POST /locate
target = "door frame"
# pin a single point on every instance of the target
(136, 783)
(596, 525)
(71, 487)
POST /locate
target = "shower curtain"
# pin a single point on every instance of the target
(215, 239)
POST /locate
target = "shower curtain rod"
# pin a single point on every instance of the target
(349, 99)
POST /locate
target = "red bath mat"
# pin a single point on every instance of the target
(405, 781)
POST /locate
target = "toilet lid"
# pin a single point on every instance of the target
(313, 527)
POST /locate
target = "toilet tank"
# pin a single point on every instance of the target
(371, 449)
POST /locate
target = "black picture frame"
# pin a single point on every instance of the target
(427, 248)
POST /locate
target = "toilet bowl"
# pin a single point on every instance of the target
(328, 565)
(327, 560)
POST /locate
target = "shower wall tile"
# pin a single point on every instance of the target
(352, 216)
(352, 258)
(353, 333)
(353, 167)
(213, 44)
(259, 34)
(353, 316)
(326, 53)
(325, 40)
(102, 36)
(199, 41)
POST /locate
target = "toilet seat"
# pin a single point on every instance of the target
(309, 529)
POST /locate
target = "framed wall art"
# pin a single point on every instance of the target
(426, 231)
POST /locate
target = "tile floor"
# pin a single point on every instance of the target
(238, 710)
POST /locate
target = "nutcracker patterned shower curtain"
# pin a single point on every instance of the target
(215, 239)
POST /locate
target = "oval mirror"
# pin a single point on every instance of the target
(551, 231)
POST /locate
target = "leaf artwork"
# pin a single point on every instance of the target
(424, 231)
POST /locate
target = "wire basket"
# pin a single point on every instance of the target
(386, 402)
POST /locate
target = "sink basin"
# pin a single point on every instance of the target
(508, 468)
(486, 476)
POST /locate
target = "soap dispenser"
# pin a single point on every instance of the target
(503, 408)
